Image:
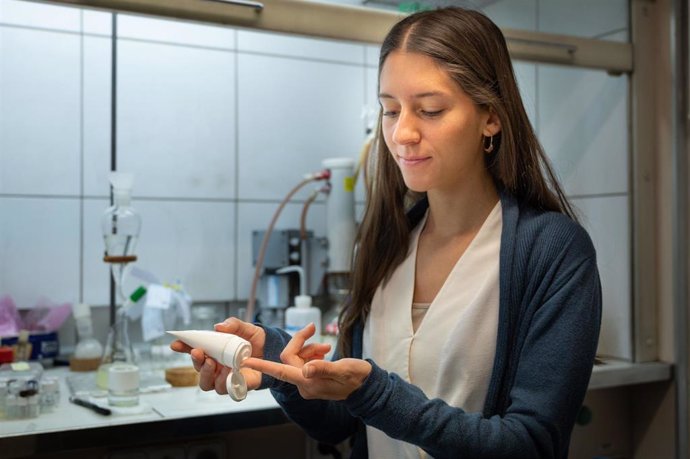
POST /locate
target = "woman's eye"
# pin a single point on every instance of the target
(389, 113)
(431, 113)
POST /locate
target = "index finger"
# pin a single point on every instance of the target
(280, 371)
(295, 345)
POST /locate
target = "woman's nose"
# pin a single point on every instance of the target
(406, 130)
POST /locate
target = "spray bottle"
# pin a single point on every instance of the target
(229, 350)
(302, 313)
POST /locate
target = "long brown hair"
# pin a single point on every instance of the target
(473, 51)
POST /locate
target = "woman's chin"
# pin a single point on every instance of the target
(416, 186)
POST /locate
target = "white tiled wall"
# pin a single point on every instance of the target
(218, 124)
(583, 119)
(292, 114)
(40, 72)
(176, 119)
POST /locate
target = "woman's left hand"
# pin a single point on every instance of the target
(317, 378)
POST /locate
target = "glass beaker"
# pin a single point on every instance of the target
(118, 348)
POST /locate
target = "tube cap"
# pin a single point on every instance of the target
(236, 385)
(236, 352)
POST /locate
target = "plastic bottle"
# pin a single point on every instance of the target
(302, 314)
(88, 352)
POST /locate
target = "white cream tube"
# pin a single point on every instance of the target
(229, 350)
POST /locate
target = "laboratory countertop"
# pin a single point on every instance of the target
(211, 411)
(172, 403)
(160, 415)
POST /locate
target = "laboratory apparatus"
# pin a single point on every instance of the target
(286, 247)
(341, 229)
(227, 349)
(325, 261)
(121, 225)
(263, 246)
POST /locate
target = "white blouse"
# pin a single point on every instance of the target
(449, 352)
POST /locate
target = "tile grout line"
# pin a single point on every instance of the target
(235, 282)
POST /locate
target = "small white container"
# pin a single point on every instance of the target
(123, 385)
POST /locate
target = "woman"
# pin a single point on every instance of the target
(475, 305)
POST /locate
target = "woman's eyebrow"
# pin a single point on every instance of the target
(384, 95)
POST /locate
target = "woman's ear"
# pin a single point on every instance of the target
(492, 125)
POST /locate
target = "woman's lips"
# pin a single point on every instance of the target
(410, 161)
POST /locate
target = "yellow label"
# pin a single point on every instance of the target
(349, 184)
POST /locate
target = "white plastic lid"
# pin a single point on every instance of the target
(236, 385)
(303, 301)
(81, 310)
(236, 352)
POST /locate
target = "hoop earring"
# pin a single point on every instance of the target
(490, 148)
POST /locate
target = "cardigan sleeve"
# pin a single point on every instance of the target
(552, 370)
(324, 420)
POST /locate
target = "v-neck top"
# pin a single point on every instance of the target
(548, 330)
(449, 354)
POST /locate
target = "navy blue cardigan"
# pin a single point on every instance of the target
(549, 320)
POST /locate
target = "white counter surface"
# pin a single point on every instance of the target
(191, 402)
(173, 403)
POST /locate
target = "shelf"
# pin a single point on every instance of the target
(367, 25)
(616, 373)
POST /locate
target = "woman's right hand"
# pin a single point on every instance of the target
(213, 375)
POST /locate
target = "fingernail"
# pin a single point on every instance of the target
(308, 371)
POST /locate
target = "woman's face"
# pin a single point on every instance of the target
(431, 127)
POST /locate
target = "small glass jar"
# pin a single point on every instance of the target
(123, 385)
(22, 401)
(50, 394)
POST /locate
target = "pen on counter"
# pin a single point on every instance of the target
(91, 406)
